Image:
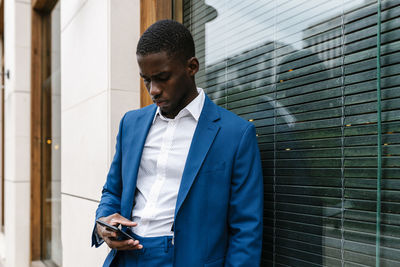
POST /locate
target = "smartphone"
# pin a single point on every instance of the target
(122, 235)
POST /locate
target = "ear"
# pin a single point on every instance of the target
(192, 66)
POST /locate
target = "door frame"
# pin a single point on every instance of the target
(40, 69)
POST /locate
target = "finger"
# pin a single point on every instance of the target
(119, 219)
(132, 247)
(129, 223)
(105, 232)
(111, 243)
(124, 244)
(123, 221)
(112, 219)
(108, 233)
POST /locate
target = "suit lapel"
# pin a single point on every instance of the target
(138, 135)
(203, 137)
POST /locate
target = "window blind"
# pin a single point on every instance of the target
(304, 72)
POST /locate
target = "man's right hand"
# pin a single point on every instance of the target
(110, 237)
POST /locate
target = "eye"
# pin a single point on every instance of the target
(163, 78)
(146, 81)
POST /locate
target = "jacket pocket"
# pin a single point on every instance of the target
(216, 263)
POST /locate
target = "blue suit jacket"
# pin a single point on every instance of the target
(218, 214)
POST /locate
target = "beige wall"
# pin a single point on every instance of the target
(99, 83)
(2, 245)
(17, 131)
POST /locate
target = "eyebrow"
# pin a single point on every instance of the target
(155, 75)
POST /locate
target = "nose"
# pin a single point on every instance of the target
(154, 89)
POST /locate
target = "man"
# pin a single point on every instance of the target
(186, 177)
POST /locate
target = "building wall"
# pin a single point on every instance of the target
(99, 83)
(2, 246)
(17, 35)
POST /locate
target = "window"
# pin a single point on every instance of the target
(304, 72)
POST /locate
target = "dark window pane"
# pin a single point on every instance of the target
(304, 72)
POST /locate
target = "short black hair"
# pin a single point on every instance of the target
(169, 36)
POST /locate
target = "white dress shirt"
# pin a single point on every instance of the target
(161, 168)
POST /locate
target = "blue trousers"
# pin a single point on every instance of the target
(156, 252)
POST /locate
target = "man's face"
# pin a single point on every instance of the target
(169, 81)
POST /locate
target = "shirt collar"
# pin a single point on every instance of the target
(194, 108)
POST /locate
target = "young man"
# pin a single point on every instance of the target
(186, 177)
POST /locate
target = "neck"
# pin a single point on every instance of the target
(191, 96)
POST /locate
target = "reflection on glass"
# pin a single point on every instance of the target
(304, 72)
(51, 161)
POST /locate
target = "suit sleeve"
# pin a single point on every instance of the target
(110, 202)
(246, 204)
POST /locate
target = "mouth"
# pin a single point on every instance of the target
(160, 103)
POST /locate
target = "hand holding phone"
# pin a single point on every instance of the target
(114, 237)
(122, 235)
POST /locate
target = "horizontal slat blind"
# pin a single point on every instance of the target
(304, 72)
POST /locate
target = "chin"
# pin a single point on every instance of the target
(165, 112)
